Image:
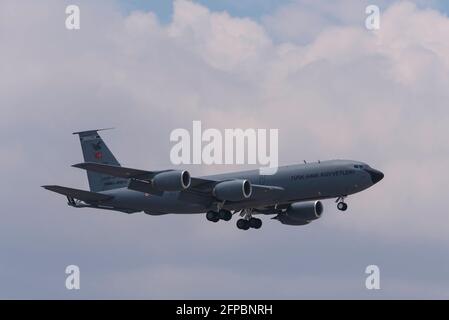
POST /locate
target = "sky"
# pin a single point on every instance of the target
(311, 69)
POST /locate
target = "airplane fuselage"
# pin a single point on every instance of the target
(301, 182)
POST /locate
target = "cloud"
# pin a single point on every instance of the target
(301, 21)
(224, 42)
(334, 89)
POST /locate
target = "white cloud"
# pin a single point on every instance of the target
(224, 42)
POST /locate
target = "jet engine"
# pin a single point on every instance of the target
(171, 180)
(234, 190)
(301, 213)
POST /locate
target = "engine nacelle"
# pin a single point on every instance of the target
(235, 190)
(171, 181)
(301, 213)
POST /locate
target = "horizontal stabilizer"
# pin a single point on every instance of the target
(82, 195)
(89, 132)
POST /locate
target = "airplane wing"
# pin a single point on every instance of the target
(116, 171)
(200, 189)
(264, 192)
(82, 195)
(197, 184)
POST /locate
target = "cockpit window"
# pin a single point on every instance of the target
(358, 166)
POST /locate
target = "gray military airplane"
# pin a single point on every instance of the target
(293, 194)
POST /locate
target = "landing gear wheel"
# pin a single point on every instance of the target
(225, 215)
(342, 206)
(212, 216)
(243, 224)
(255, 223)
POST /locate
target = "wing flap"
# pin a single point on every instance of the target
(202, 185)
(79, 194)
(143, 186)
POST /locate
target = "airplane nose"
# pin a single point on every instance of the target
(376, 175)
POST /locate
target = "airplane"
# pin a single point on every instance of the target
(292, 195)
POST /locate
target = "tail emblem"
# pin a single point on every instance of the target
(97, 147)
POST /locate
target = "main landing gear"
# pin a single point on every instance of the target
(214, 216)
(341, 204)
(244, 224)
(248, 221)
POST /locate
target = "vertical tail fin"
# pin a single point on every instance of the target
(95, 150)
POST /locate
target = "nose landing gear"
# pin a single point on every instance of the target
(341, 205)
